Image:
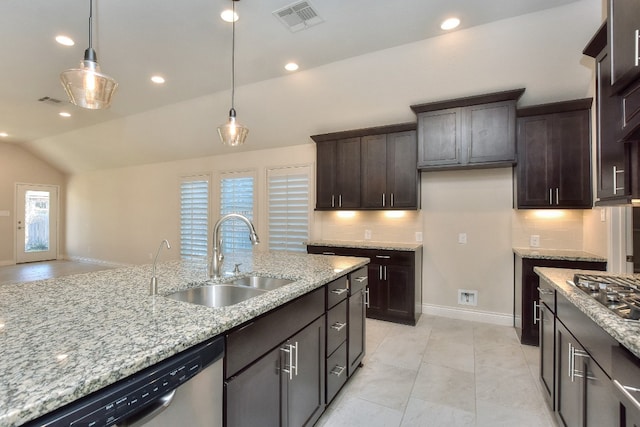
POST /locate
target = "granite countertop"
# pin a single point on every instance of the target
(559, 254)
(64, 338)
(625, 332)
(367, 244)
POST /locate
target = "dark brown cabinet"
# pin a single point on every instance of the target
(623, 21)
(546, 321)
(554, 156)
(527, 295)
(373, 168)
(469, 132)
(338, 174)
(389, 175)
(395, 281)
(358, 296)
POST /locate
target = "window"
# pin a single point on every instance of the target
(288, 208)
(236, 196)
(194, 217)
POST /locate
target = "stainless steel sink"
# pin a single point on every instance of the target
(259, 282)
(216, 295)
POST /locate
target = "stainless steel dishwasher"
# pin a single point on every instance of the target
(185, 389)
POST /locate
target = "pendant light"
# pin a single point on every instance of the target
(86, 86)
(233, 133)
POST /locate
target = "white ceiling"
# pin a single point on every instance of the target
(188, 43)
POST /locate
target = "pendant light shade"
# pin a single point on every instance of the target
(233, 133)
(87, 86)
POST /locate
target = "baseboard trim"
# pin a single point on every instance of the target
(466, 314)
(96, 261)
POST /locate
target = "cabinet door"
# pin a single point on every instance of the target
(326, 174)
(547, 354)
(357, 311)
(600, 403)
(440, 138)
(400, 291)
(348, 173)
(377, 291)
(571, 153)
(612, 174)
(402, 173)
(623, 23)
(570, 399)
(305, 391)
(534, 162)
(374, 171)
(252, 398)
(489, 133)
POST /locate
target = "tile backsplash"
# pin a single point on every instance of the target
(558, 229)
(385, 226)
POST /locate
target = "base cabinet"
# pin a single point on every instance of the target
(394, 283)
(284, 387)
(547, 353)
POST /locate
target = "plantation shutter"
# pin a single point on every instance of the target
(236, 196)
(288, 208)
(194, 217)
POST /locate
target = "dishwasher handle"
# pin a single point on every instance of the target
(155, 409)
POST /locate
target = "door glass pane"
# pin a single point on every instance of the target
(36, 231)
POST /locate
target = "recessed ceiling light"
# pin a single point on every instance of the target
(450, 24)
(291, 66)
(157, 79)
(64, 40)
(64, 114)
(229, 15)
(3, 134)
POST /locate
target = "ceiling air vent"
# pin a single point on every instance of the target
(298, 16)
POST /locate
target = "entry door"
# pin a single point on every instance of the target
(36, 222)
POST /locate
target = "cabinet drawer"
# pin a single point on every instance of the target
(336, 371)
(592, 337)
(358, 280)
(337, 291)
(256, 338)
(547, 295)
(336, 326)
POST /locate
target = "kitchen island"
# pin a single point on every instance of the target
(62, 339)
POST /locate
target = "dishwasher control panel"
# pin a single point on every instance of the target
(137, 396)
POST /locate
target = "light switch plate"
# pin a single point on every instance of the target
(462, 238)
(418, 236)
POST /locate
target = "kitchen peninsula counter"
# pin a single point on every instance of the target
(625, 332)
(367, 244)
(62, 339)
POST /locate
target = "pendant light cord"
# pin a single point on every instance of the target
(90, 23)
(233, 54)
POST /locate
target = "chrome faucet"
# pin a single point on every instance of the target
(218, 257)
(153, 289)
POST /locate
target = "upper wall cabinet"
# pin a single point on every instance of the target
(554, 156)
(373, 168)
(623, 23)
(471, 132)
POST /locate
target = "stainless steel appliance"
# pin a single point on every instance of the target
(185, 389)
(620, 294)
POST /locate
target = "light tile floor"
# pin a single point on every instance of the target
(442, 372)
(45, 270)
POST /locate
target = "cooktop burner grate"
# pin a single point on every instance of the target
(620, 294)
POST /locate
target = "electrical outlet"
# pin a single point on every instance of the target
(462, 238)
(367, 234)
(534, 241)
(466, 297)
(603, 215)
(418, 236)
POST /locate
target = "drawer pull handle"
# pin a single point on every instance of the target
(339, 291)
(360, 279)
(544, 291)
(626, 391)
(338, 326)
(536, 317)
(383, 256)
(328, 253)
(338, 370)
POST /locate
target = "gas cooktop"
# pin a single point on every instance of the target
(619, 294)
